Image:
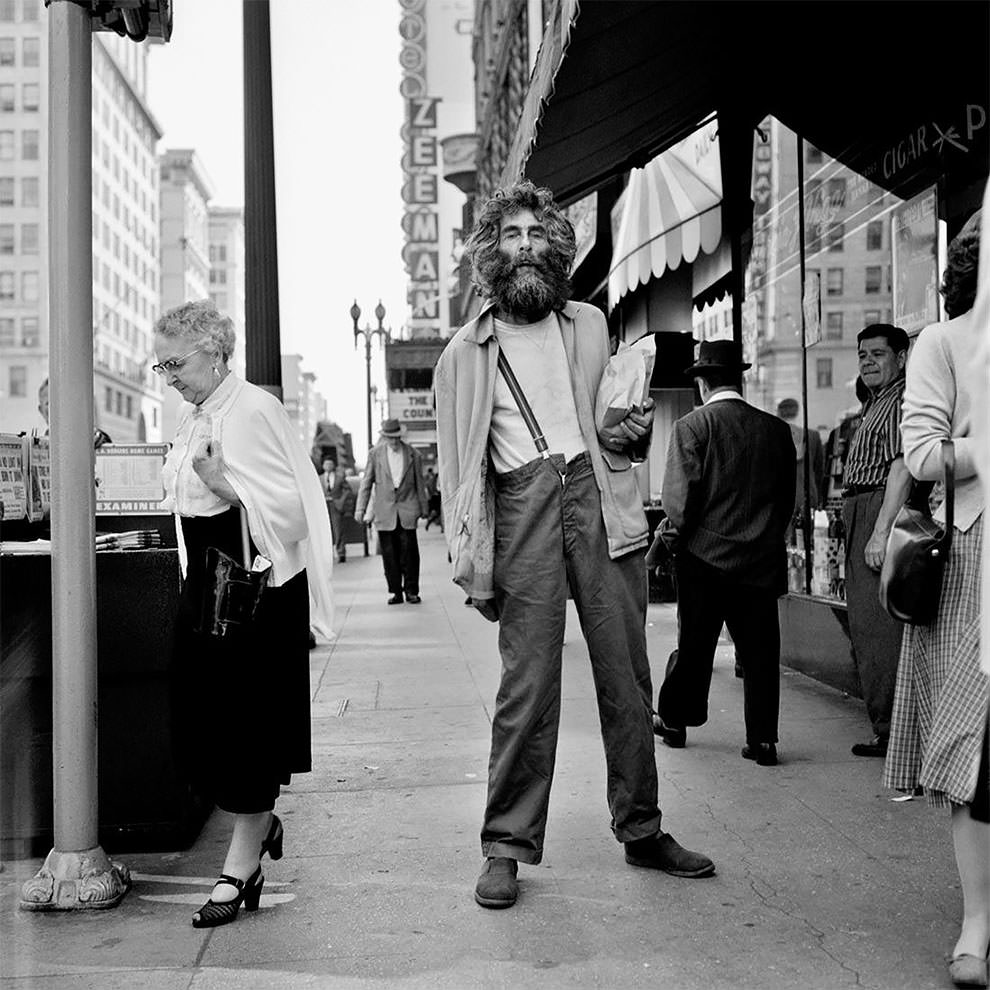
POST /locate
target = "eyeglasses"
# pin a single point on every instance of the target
(173, 365)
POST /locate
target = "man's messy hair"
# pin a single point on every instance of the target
(482, 246)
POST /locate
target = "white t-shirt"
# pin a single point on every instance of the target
(536, 354)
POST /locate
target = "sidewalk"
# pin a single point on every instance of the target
(823, 882)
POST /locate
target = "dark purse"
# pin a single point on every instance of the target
(231, 592)
(917, 549)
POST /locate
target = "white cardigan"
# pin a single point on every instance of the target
(268, 468)
(938, 405)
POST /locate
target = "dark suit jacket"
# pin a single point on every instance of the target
(402, 499)
(728, 490)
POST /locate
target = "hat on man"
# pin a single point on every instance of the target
(391, 428)
(788, 408)
(718, 354)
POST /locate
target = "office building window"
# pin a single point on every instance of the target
(836, 192)
(6, 238)
(118, 396)
(108, 398)
(31, 53)
(833, 326)
(812, 155)
(870, 316)
(29, 145)
(8, 10)
(29, 331)
(29, 12)
(6, 286)
(30, 97)
(823, 372)
(129, 407)
(7, 102)
(874, 235)
(29, 238)
(7, 56)
(834, 282)
(7, 191)
(17, 382)
(834, 237)
(874, 278)
(6, 332)
(6, 146)
(29, 287)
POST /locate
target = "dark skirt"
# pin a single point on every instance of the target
(241, 704)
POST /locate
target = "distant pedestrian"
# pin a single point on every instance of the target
(433, 500)
(242, 702)
(728, 491)
(394, 471)
(523, 529)
(875, 486)
(939, 728)
(340, 501)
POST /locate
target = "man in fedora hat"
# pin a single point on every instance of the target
(728, 492)
(395, 470)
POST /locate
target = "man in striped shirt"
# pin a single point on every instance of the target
(876, 484)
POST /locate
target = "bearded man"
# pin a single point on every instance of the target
(537, 503)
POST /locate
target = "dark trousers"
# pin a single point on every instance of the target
(400, 558)
(549, 536)
(707, 598)
(876, 637)
(337, 531)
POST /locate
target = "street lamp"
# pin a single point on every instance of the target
(368, 333)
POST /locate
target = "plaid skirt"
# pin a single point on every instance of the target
(940, 702)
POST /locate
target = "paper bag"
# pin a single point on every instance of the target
(625, 383)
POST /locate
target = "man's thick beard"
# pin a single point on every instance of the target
(529, 294)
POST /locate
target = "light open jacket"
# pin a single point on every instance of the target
(465, 389)
(268, 468)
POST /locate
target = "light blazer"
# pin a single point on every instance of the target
(728, 490)
(403, 500)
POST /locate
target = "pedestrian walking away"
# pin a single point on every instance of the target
(728, 492)
(938, 736)
(876, 484)
(236, 457)
(528, 521)
(394, 472)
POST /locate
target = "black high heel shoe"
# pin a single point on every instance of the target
(214, 913)
(272, 843)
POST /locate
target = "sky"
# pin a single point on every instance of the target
(337, 119)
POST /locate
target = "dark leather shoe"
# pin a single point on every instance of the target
(663, 852)
(877, 746)
(675, 738)
(413, 599)
(395, 600)
(497, 886)
(765, 754)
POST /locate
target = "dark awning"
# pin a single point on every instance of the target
(622, 80)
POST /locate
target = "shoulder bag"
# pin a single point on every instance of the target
(917, 549)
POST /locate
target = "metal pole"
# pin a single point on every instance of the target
(77, 873)
(809, 542)
(367, 363)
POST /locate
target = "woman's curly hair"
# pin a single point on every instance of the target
(483, 245)
(959, 282)
(200, 322)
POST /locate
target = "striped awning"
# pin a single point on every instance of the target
(670, 210)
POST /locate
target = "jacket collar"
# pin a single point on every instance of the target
(482, 328)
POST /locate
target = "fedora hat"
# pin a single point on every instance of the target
(720, 354)
(391, 428)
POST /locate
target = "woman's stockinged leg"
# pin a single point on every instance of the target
(243, 854)
(971, 840)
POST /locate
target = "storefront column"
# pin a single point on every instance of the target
(77, 874)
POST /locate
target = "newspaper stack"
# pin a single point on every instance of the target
(137, 539)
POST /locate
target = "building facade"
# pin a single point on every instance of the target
(304, 403)
(226, 232)
(127, 396)
(185, 193)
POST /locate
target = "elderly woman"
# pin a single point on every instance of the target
(242, 701)
(939, 725)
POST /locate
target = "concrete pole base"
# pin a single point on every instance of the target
(76, 881)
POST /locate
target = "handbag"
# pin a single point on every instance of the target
(231, 592)
(917, 549)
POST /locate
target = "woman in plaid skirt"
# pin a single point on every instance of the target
(938, 736)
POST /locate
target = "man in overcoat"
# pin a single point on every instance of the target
(728, 493)
(394, 470)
